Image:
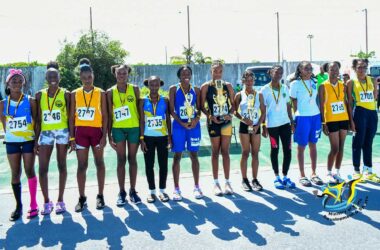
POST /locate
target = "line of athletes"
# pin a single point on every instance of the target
(83, 119)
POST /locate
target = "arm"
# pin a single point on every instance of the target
(168, 123)
(321, 93)
(38, 121)
(2, 117)
(142, 126)
(195, 121)
(103, 101)
(375, 93)
(110, 117)
(231, 94)
(72, 121)
(33, 107)
(347, 98)
(171, 106)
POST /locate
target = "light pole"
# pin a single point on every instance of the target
(366, 30)
(310, 36)
(278, 37)
(188, 57)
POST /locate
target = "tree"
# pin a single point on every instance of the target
(188, 53)
(200, 59)
(177, 60)
(362, 55)
(102, 52)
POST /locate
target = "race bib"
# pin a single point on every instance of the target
(218, 112)
(51, 118)
(17, 124)
(183, 114)
(254, 117)
(122, 113)
(86, 114)
(366, 96)
(154, 123)
(337, 108)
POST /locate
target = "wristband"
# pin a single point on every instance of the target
(142, 137)
(323, 123)
(263, 124)
(72, 139)
(209, 117)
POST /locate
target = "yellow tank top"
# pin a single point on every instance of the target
(125, 113)
(334, 107)
(88, 111)
(363, 94)
(54, 112)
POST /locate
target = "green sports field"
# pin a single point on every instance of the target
(205, 163)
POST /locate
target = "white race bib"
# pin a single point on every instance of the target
(337, 108)
(217, 112)
(154, 123)
(17, 124)
(51, 118)
(255, 116)
(85, 114)
(183, 114)
(366, 96)
(122, 113)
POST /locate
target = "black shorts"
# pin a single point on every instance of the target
(243, 129)
(216, 130)
(336, 126)
(19, 147)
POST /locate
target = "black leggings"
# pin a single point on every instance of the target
(160, 143)
(366, 125)
(283, 132)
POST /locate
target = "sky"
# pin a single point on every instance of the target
(236, 31)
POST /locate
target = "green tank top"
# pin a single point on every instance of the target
(125, 114)
(54, 112)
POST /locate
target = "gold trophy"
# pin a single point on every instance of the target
(220, 98)
(189, 109)
(251, 111)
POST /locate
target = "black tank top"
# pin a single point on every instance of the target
(211, 99)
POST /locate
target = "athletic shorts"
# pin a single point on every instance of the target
(185, 138)
(243, 129)
(19, 147)
(87, 136)
(308, 129)
(336, 126)
(132, 135)
(59, 136)
(216, 130)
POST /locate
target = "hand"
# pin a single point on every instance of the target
(36, 149)
(194, 123)
(112, 143)
(215, 120)
(184, 124)
(227, 117)
(102, 143)
(144, 149)
(325, 130)
(72, 146)
(352, 127)
(169, 142)
(265, 131)
(254, 129)
(292, 128)
(247, 121)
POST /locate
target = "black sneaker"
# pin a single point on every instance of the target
(256, 186)
(246, 186)
(151, 198)
(16, 214)
(100, 201)
(121, 199)
(82, 204)
(134, 197)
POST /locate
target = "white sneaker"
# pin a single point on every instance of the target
(338, 178)
(330, 179)
(198, 193)
(177, 195)
(228, 189)
(217, 190)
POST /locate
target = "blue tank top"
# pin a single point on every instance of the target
(155, 123)
(179, 103)
(19, 123)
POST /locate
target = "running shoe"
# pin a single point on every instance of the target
(32, 213)
(330, 179)
(288, 183)
(48, 208)
(100, 201)
(82, 204)
(60, 207)
(151, 198)
(121, 199)
(197, 193)
(16, 214)
(246, 185)
(316, 180)
(338, 178)
(177, 195)
(305, 182)
(256, 186)
(228, 189)
(372, 177)
(218, 190)
(357, 176)
(164, 197)
(278, 183)
(133, 197)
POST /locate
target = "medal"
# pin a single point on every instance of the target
(277, 108)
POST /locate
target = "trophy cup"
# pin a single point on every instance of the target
(220, 99)
(251, 111)
(189, 109)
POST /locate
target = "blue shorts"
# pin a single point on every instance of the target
(182, 137)
(308, 129)
(19, 147)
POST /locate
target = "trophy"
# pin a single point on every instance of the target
(189, 109)
(251, 111)
(220, 98)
